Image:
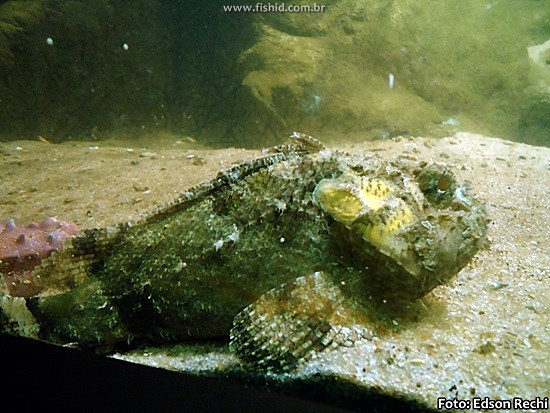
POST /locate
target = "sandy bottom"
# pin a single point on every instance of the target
(487, 331)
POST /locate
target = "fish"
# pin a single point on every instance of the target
(286, 255)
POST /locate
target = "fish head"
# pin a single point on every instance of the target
(413, 228)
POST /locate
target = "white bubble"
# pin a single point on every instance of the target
(49, 41)
(125, 46)
(391, 80)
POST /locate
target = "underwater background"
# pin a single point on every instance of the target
(369, 69)
(110, 110)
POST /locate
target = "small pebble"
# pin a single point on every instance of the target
(138, 188)
(151, 155)
(486, 348)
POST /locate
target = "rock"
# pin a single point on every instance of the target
(540, 54)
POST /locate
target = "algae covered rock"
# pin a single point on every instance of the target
(290, 253)
(391, 68)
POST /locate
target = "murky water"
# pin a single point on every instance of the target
(249, 73)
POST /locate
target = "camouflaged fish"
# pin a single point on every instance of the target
(287, 255)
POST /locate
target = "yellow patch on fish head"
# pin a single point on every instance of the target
(373, 192)
(378, 228)
(339, 198)
(370, 206)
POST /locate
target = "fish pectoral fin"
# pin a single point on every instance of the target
(289, 324)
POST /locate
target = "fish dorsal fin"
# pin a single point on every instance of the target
(224, 178)
(303, 144)
(308, 143)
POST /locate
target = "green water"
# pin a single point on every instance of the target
(368, 69)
